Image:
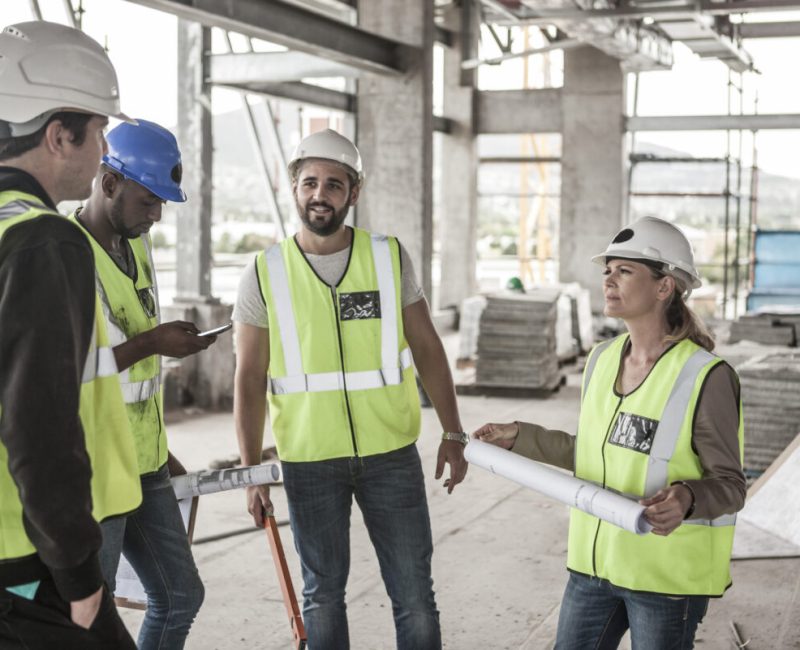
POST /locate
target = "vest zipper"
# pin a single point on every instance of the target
(603, 456)
(344, 374)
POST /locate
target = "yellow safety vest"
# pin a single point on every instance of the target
(341, 379)
(636, 445)
(130, 307)
(115, 484)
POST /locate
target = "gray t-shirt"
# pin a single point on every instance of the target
(251, 310)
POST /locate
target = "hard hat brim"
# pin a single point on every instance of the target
(634, 256)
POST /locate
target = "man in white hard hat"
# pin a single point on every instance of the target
(332, 318)
(67, 459)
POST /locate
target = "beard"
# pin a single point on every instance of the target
(322, 226)
(116, 214)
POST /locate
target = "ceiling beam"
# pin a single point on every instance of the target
(768, 30)
(708, 7)
(713, 122)
(519, 111)
(263, 67)
(301, 93)
(297, 29)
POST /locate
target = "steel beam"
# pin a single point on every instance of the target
(519, 111)
(264, 67)
(714, 122)
(296, 28)
(442, 124)
(708, 7)
(567, 43)
(768, 30)
(301, 93)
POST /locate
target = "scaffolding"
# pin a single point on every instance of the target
(733, 265)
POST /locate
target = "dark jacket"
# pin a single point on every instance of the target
(47, 302)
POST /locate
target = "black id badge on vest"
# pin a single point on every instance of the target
(360, 305)
(634, 432)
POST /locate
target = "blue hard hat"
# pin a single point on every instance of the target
(147, 154)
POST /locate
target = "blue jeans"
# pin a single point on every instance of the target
(390, 491)
(155, 543)
(595, 615)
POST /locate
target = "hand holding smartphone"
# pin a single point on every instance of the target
(216, 330)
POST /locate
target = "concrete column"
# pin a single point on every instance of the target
(194, 138)
(458, 224)
(204, 379)
(395, 134)
(592, 164)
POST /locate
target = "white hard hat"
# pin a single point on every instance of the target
(651, 239)
(46, 67)
(328, 145)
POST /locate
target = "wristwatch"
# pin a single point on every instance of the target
(458, 436)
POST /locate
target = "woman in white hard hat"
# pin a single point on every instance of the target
(660, 421)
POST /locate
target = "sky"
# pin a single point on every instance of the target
(142, 45)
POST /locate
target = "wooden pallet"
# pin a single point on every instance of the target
(472, 389)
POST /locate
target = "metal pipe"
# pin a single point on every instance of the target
(70, 13)
(259, 152)
(36, 9)
(566, 44)
(275, 135)
(727, 209)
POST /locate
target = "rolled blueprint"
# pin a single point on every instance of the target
(210, 481)
(588, 497)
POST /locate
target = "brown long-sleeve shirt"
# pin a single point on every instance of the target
(715, 439)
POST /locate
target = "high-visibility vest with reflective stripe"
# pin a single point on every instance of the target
(340, 372)
(115, 484)
(637, 445)
(130, 307)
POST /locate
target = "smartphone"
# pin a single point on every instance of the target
(217, 330)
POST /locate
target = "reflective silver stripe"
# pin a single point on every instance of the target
(100, 362)
(149, 250)
(279, 282)
(115, 334)
(106, 362)
(669, 428)
(154, 279)
(324, 381)
(20, 206)
(139, 391)
(587, 374)
(388, 300)
(723, 520)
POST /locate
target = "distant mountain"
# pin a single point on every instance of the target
(241, 194)
(778, 197)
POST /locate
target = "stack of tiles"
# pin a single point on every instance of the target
(517, 341)
(770, 389)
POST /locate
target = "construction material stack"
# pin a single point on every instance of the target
(517, 341)
(769, 328)
(770, 386)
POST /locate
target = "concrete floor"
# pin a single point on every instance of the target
(499, 561)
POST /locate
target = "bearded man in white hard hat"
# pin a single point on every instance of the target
(332, 318)
(67, 459)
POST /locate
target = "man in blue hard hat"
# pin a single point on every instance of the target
(141, 172)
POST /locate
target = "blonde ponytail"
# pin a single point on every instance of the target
(683, 323)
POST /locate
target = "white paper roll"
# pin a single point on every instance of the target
(211, 481)
(604, 504)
